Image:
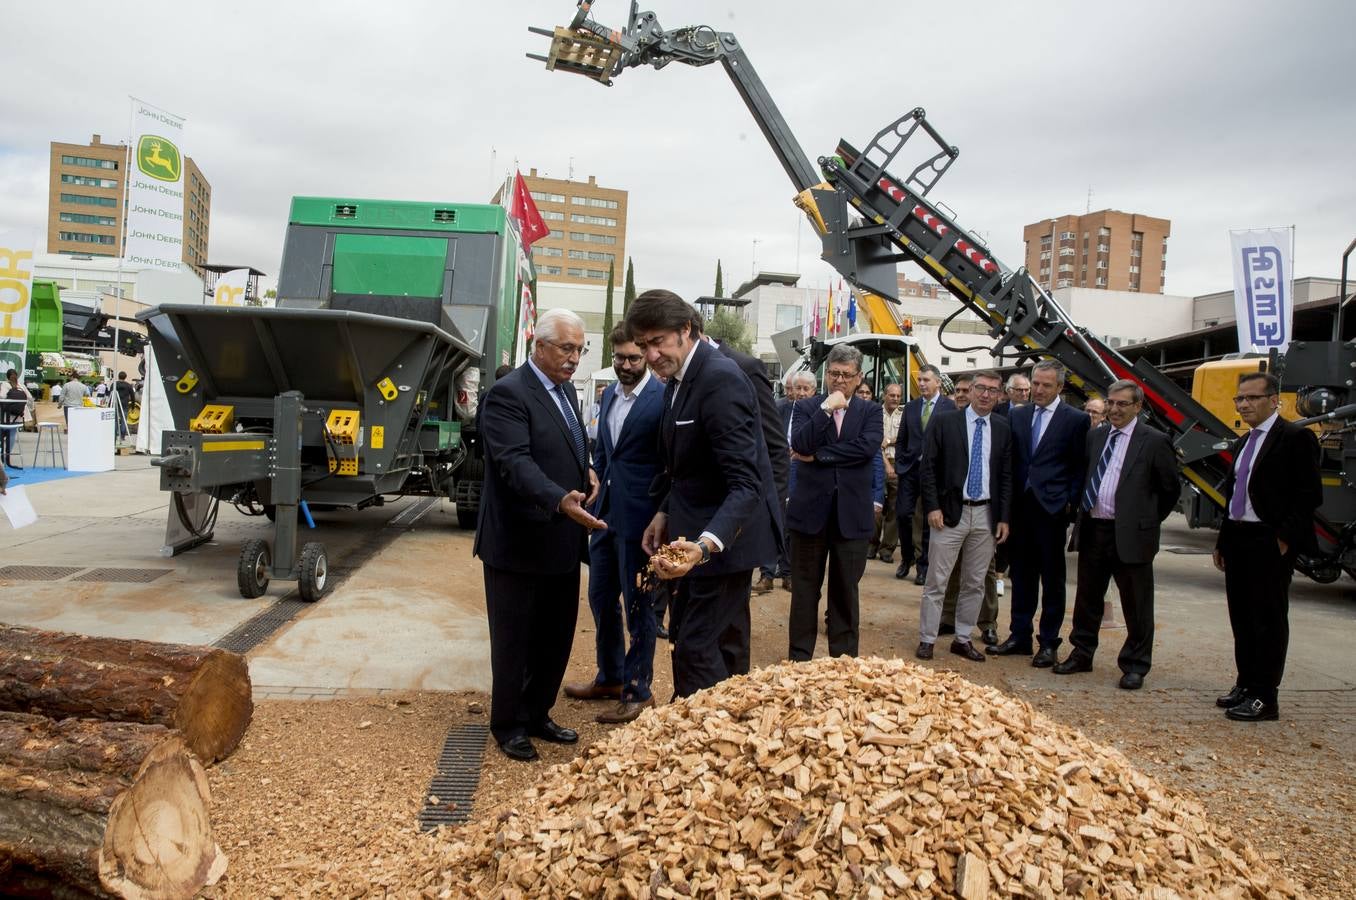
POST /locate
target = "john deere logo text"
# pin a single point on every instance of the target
(159, 158)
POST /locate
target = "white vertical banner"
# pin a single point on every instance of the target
(1264, 302)
(230, 288)
(16, 298)
(155, 190)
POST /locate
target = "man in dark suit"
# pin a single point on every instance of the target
(1049, 443)
(1016, 394)
(1272, 492)
(918, 414)
(1130, 488)
(532, 531)
(836, 444)
(799, 386)
(966, 477)
(719, 501)
(625, 462)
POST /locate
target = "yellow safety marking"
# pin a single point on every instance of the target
(388, 388)
(1332, 482)
(378, 437)
(219, 446)
(187, 382)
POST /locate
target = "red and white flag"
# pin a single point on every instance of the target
(523, 211)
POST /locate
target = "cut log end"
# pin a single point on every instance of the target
(217, 707)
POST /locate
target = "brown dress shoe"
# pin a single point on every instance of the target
(626, 711)
(762, 586)
(593, 691)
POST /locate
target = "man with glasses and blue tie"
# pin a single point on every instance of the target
(966, 477)
(1131, 487)
(532, 532)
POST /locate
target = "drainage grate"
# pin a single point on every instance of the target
(457, 777)
(126, 576)
(259, 627)
(37, 573)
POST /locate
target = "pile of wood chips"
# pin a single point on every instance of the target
(845, 777)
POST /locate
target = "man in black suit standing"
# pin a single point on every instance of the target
(1273, 489)
(799, 385)
(1049, 443)
(532, 532)
(835, 445)
(918, 414)
(1130, 488)
(719, 499)
(966, 476)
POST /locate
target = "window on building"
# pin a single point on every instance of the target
(555, 235)
(1134, 270)
(88, 181)
(581, 219)
(590, 238)
(548, 251)
(81, 237)
(552, 214)
(1066, 251)
(788, 315)
(1101, 264)
(575, 273)
(548, 270)
(1103, 248)
(89, 163)
(595, 255)
(1066, 235)
(87, 219)
(1101, 282)
(1066, 267)
(1064, 282)
(85, 200)
(596, 274)
(545, 197)
(594, 201)
(1103, 231)
(1045, 254)
(1045, 241)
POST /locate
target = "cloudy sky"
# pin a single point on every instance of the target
(1215, 115)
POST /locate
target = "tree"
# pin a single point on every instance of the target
(607, 307)
(728, 327)
(630, 293)
(720, 281)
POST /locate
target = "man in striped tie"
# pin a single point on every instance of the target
(1131, 487)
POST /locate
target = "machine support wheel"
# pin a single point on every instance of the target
(251, 574)
(315, 571)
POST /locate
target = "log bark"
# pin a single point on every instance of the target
(102, 808)
(201, 691)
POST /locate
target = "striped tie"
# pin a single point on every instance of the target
(974, 479)
(567, 408)
(1095, 485)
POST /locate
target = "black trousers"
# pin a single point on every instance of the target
(1098, 564)
(845, 559)
(709, 628)
(532, 619)
(1038, 570)
(1257, 587)
(910, 492)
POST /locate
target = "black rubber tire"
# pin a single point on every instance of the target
(315, 572)
(251, 575)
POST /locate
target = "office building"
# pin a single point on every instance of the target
(1109, 249)
(588, 230)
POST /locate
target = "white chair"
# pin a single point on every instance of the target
(53, 432)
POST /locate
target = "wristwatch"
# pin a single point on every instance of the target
(706, 553)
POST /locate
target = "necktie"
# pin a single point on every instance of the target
(974, 481)
(1238, 503)
(1036, 429)
(927, 413)
(838, 420)
(571, 420)
(1095, 485)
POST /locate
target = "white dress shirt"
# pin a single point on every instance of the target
(1250, 514)
(1044, 420)
(971, 417)
(1105, 507)
(678, 376)
(622, 405)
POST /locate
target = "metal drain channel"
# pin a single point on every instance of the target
(125, 576)
(259, 627)
(37, 573)
(456, 778)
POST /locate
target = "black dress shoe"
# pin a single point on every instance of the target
(1078, 661)
(550, 731)
(1044, 658)
(946, 629)
(924, 651)
(990, 637)
(886, 556)
(966, 649)
(519, 748)
(1253, 710)
(662, 633)
(1011, 647)
(920, 576)
(1235, 696)
(903, 571)
(870, 554)
(1131, 681)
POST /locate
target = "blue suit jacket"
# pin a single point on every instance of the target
(842, 470)
(909, 444)
(626, 471)
(1055, 472)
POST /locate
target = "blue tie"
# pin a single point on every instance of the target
(570, 419)
(1095, 485)
(974, 482)
(1036, 429)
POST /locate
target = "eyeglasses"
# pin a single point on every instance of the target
(1251, 398)
(1122, 404)
(567, 349)
(840, 375)
(984, 389)
(628, 359)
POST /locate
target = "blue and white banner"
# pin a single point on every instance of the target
(1264, 302)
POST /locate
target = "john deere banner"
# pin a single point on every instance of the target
(1263, 301)
(230, 288)
(155, 190)
(16, 294)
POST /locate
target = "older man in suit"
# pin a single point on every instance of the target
(531, 533)
(1130, 488)
(719, 500)
(966, 476)
(918, 414)
(625, 462)
(1273, 489)
(836, 446)
(1049, 442)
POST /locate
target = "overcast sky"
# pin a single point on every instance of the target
(1215, 115)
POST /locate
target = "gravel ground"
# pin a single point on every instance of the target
(322, 796)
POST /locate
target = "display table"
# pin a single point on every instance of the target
(90, 439)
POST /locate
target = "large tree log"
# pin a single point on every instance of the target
(102, 808)
(202, 691)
